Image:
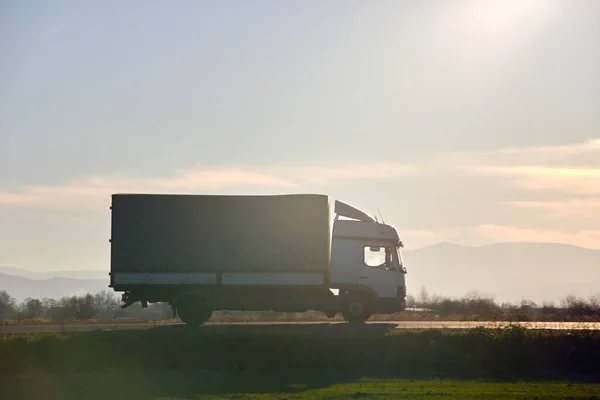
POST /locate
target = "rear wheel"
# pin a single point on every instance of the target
(356, 308)
(194, 310)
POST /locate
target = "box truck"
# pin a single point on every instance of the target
(282, 253)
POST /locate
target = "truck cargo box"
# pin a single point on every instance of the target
(156, 233)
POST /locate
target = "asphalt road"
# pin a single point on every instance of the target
(317, 325)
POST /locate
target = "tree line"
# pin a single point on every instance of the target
(104, 304)
(472, 306)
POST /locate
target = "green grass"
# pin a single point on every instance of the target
(502, 354)
(179, 386)
(302, 361)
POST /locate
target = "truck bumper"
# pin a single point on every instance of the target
(392, 305)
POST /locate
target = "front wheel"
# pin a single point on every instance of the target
(356, 308)
(194, 310)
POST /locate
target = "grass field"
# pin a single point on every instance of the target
(301, 362)
(179, 386)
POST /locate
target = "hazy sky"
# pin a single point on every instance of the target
(467, 121)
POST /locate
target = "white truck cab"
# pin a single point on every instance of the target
(366, 258)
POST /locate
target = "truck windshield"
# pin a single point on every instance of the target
(400, 260)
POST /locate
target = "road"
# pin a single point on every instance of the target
(317, 325)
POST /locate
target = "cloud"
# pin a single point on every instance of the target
(418, 233)
(469, 198)
(566, 180)
(327, 175)
(573, 154)
(554, 152)
(94, 191)
(577, 208)
(559, 184)
(571, 169)
(414, 238)
(548, 168)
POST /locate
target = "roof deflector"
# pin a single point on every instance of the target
(345, 210)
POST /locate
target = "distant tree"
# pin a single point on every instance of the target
(49, 303)
(448, 306)
(548, 308)
(577, 307)
(528, 304)
(78, 307)
(594, 302)
(32, 308)
(424, 296)
(569, 301)
(84, 307)
(106, 303)
(163, 310)
(507, 305)
(8, 305)
(472, 295)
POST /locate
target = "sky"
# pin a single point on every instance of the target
(464, 121)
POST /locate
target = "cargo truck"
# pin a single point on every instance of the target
(281, 253)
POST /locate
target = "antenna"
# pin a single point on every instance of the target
(382, 220)
(375, 216)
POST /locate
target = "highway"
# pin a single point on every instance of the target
(311, 325)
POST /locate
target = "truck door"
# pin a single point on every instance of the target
(379, 269)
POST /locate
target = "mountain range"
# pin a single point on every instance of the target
(506, 271)
(21, 287)
(84, 274)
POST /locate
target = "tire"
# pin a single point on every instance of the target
(193, 310)
(356, 309)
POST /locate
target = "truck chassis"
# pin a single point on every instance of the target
(194, 305)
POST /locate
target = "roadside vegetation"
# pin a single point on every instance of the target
(511, 353)
(104, 308)
(308, 361)
(100, 307)
(215, 386)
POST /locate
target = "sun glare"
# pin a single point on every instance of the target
(501, 18)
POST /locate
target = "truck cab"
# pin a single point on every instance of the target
(366, 264)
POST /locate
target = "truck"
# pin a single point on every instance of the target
(281, 253)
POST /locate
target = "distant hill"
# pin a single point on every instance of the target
(84, 274)
(509, 271)
(20, 287)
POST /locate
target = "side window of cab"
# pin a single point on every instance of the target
(378, 256)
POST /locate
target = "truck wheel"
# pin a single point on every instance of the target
(193, 310)
(356, 309)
